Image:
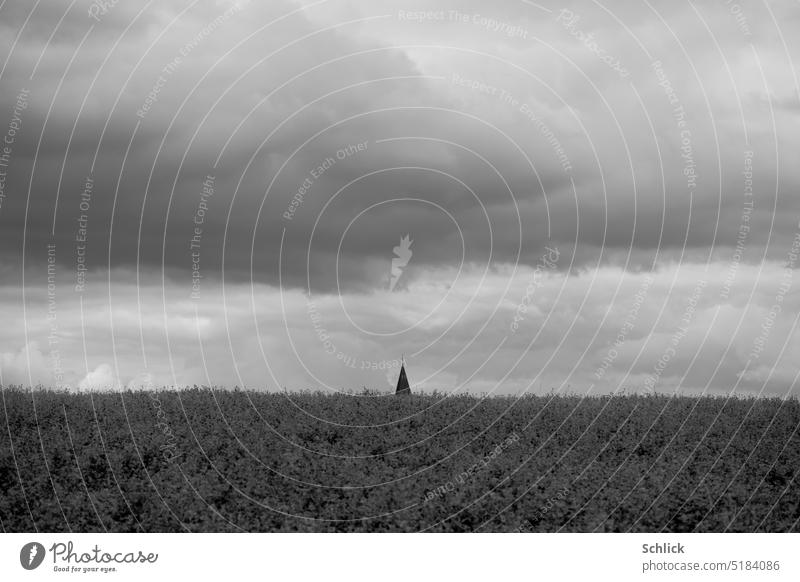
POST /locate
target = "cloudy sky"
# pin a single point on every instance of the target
(597, 198)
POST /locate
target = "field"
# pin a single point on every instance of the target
(217, 460)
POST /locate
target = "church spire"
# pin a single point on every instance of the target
(402, 380)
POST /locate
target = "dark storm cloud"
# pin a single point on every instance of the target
(150, 174)
(543, 109)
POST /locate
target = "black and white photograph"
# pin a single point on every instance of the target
(384, 267)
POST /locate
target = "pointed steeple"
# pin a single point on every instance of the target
(402, 381)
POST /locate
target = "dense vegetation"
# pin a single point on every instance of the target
(217, 460)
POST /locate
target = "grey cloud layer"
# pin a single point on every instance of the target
(530, 106)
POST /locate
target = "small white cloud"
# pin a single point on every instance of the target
(102, 378)
(27, 367)
(142, 381)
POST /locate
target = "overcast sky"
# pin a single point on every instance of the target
(597, 198)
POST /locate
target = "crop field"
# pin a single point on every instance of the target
(220, 460)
